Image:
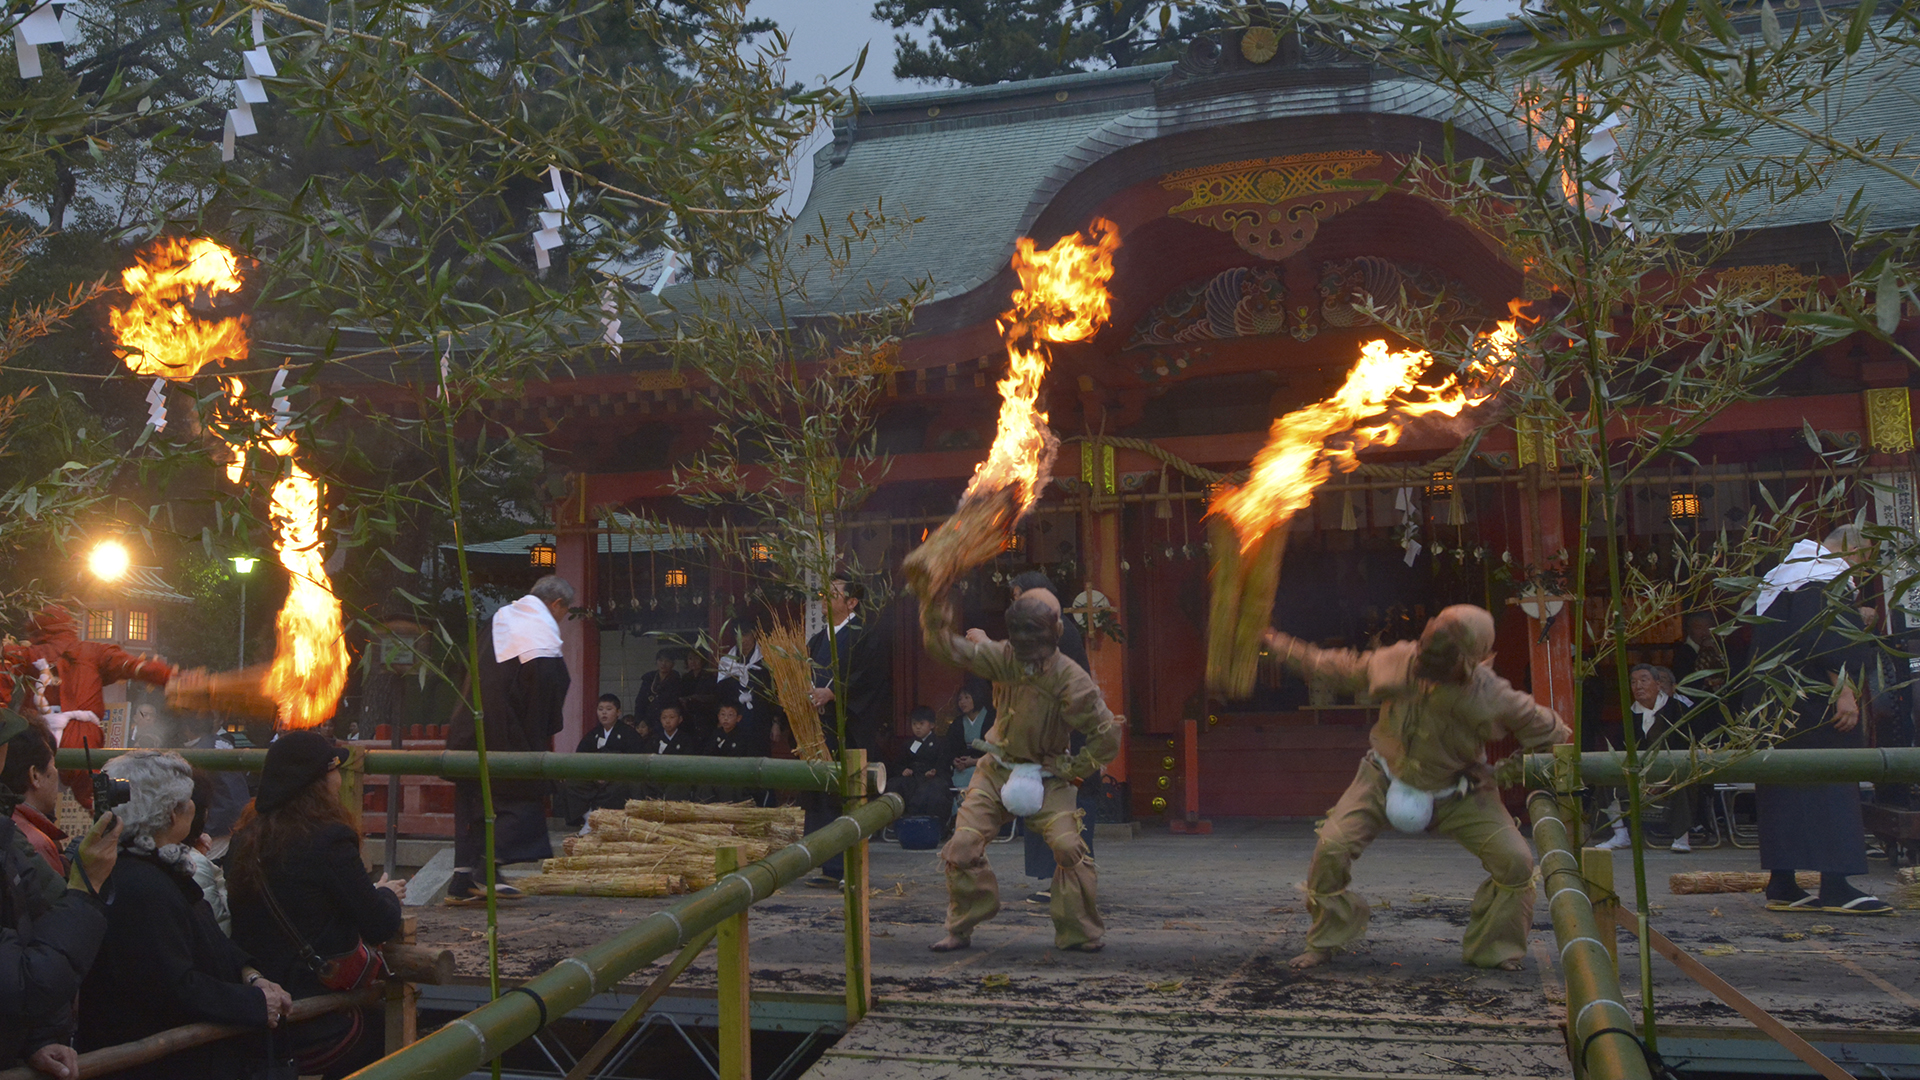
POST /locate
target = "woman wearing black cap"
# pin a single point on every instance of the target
(301, 896)
(164, 962)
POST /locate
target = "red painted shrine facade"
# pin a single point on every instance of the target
(1232, 304)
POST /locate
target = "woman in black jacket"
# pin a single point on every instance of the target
(164, 961)
(296, 850)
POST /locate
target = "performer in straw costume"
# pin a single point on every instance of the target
(1441, 705)
(1042, 698)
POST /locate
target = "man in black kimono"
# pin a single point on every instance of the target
(852, 667)
(523, 686)
(1811, 628)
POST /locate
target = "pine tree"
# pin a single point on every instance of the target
(978, 42)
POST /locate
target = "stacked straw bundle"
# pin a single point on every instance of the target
(661, 848)
(792, 670)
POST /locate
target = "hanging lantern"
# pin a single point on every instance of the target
(676, 578)
(543, 556)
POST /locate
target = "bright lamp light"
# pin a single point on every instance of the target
(109, 560)
(243, 564)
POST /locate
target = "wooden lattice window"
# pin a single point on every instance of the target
(100, 625)
(139, 625)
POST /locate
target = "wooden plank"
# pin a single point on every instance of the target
(1724, 990)
(616, 1033)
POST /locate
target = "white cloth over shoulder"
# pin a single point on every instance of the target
(525, 630)
(1806, 564)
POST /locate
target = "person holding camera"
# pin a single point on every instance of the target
(303, 905)
(164, 962)
(50, 931)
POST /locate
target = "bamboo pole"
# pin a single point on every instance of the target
(1880, 765)
(489, 1031)
(1599, 1024)
(736, 1016)
(112, 1059)
(854, 890)
(778, 774)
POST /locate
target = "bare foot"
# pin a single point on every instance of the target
(1085, 946)
(950, 943)
(1312, 958)
(1511, 965)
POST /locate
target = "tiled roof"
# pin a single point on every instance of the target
(979, 167)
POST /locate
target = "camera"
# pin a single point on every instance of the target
(109, 792)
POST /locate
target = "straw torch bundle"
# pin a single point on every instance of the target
(785, 648)
(1062, 297)
(1304, 448)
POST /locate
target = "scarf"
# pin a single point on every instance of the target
(1648, 713)
(525, 630)
(1806, 564)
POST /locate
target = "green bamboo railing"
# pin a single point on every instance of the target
(778, 774)
(469, 1043)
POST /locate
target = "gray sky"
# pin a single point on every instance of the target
(827, 35)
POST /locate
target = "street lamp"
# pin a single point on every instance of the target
(109, 560)
(243, 566)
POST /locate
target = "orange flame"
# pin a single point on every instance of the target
(158, 333)
(1381, 394)
(310, 659)
(1062, 297)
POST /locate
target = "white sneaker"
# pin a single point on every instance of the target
(1681, 846)
(1621, 838)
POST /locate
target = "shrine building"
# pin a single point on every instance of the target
(1244, 247)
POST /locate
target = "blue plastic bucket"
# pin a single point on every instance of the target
(918, 833)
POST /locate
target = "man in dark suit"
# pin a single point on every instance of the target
(853, 671)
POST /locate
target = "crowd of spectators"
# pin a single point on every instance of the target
(132, 930)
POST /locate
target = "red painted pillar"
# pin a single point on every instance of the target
(1192, 823)
(1542, 538)
(577, 558)
(1108, 657)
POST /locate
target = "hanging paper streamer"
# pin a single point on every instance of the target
(671, 264)
(282, 408)
(610, 319)
(40, 27)
(157, 405)
(249, 91)
(548, 236)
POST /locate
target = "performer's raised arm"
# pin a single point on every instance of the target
(991, 660)
(1344, 669)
